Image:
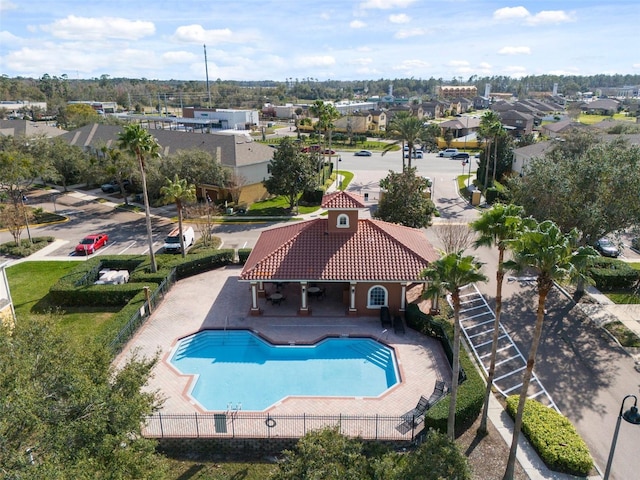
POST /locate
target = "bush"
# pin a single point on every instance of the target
(471, 390)
(553, 437)
(25, 248)
(243, 254)
(613, 274)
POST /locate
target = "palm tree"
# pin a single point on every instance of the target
(141, 143)
(542, 247)
(407, 129)
(496, 227)
(179, 192)
(326, 114)
(451, 273)
(491, 129)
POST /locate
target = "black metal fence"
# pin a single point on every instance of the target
(143, 313)
(239, 424)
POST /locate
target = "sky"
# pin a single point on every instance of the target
(324, 40)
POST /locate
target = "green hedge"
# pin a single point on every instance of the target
(554, 437)
(77, 288)
(471, 390)
(613, 274)
(243, 254)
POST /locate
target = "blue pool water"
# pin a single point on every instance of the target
(238, 370)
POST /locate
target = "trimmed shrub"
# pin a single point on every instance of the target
(613, 274)
(554, 437)
(471, 390)
(25, 248)
(243, 254)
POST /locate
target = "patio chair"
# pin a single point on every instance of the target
(439, 391)
(416, 415)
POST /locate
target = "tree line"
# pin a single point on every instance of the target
(136, 94)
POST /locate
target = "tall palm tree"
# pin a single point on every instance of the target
(495, 227)
(141, 144)
(407, 129)
(451, 273)
(490, 128)
(326, 114)
(178, 191)
(543, 248)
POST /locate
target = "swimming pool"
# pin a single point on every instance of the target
(238, 370)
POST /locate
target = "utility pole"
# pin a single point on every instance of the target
(206, 69)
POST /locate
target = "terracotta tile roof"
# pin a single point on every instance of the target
(342, 200)
(378, 251)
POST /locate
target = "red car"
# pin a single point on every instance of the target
(91, 243)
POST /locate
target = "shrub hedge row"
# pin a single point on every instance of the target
(612, 274)
(243, 254)
(77, 288)
(471, 390)
(554, 437)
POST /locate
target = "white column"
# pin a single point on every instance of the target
(403, 297)
(352, 297)
(254, 297)
(303, 296)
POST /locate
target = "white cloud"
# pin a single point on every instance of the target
(412, 65)
(315, 61)
(485, 65)
(543, 17)
(458, 63)
(410, 32)
(509, 13)
(550, 17)
(399, 18)
(6, 5)
(361, 61)
(514, 51)
(86, 28)
(516, 71)
(197, 34)
(179, 57)
(636, 65)
(357, 24)
(385, 4)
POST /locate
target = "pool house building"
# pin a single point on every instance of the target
(362, 264)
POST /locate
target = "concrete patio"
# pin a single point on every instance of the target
(216, 300)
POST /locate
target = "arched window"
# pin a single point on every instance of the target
(377, 297)
(343, 221)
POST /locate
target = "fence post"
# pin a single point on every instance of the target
(304, 424)
(161, 429)
(197, 427)
(147, 297)
(376, 426)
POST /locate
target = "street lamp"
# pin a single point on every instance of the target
(633, 417)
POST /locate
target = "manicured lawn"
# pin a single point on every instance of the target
(218, 470)
(626, 337)
(278, 206)
(591, 119)
(32, 297)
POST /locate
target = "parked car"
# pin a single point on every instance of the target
(113, 186)
(312, 148)
(363, 153)
(460, 156)
(449, 152)
(329, 152)
(607, 248)
(91, 243)
(414, 154)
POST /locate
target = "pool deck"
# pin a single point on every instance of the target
(217, 300)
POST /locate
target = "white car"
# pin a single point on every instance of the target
(449, 152)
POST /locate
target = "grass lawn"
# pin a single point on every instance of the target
(32, 297)
(626, 337)
(279, 206)
(218, 470)
(591, 119)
